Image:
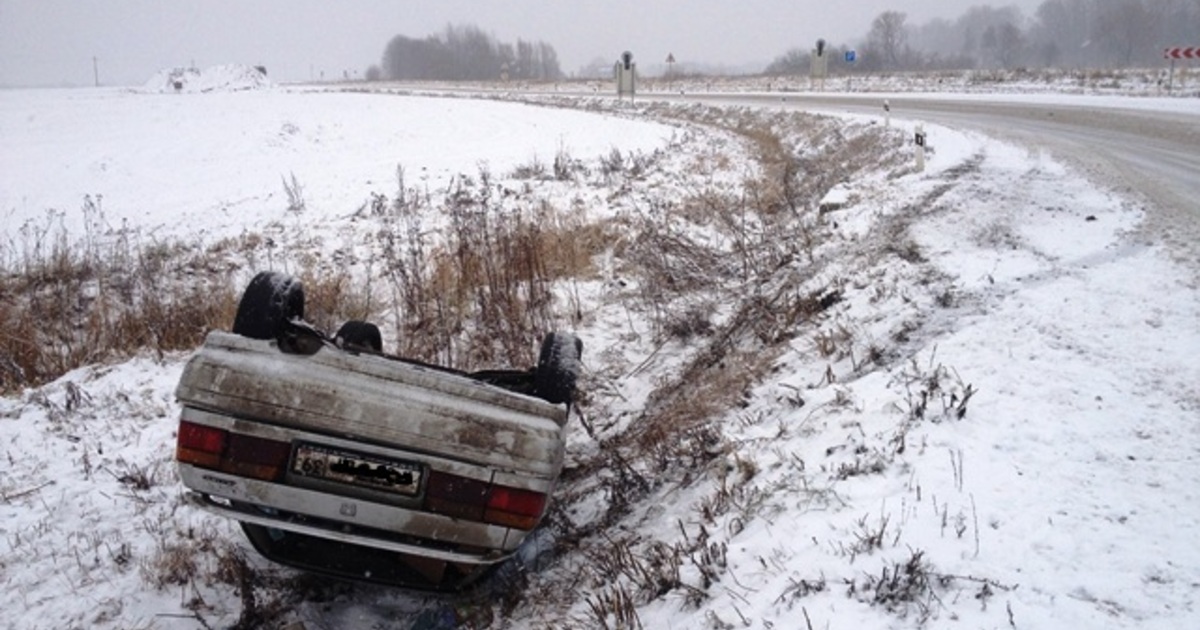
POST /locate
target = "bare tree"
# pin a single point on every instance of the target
(1003, 44)
(549, 69)
(419, 59)
(1180, 20)
(888, 39)
(1061, 33)
(466, 53)
(1127, 29)
(936, 37)
(794, 61)
(526, 60)
(938, 45)
(1119, 32)
(982, 32)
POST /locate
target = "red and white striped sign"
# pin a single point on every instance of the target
(1180, 52)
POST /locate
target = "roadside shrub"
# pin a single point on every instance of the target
(67, 301)
(483, 294)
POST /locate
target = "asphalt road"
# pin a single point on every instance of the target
(1152, 157)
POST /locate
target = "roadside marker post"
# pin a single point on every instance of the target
(887, 114)
(919, 140)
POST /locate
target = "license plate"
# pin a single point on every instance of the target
(357, 469)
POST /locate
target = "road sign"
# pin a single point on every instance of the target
(625, 72)
(1179, 52)
(851, 56)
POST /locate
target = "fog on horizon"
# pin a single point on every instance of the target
(125, 42)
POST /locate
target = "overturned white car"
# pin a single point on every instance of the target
(339, 459)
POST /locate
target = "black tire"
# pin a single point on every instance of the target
(270, 301)
(359, 334)
(558, 368)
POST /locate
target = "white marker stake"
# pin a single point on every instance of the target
(887, 114)
(919, 140)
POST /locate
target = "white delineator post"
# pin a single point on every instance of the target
(887, 114)
(919, 140)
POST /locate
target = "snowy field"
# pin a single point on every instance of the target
(1155, 86)
(995, 424)
(214, 164)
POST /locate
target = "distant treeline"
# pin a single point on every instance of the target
(1061, 33)
(465, 53)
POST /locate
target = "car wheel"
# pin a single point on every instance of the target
(270, 301)
(359, 334)
(558, 367)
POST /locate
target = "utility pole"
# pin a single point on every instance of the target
(670, 69)
(96, 70)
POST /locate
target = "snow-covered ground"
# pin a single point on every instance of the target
(216, 164)
(226, 78)
(1023, 85)
(1135, 82)
(845, 489)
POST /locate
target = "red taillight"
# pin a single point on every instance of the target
(514, 508)
(234, 453)
(200, 445)
(475, 500)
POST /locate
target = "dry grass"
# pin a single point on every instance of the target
(66, 303)
(481, 296)
(333, 296)
(762, 227)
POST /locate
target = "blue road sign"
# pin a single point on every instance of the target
(851, 56)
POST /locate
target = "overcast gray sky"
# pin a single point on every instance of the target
(52, 42)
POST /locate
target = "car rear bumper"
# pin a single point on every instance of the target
(343, 533)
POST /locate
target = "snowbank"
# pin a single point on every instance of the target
(224, 78)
